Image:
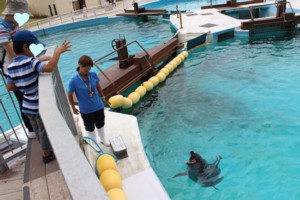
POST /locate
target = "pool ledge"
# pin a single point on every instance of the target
(135, 170)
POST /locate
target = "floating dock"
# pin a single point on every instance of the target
(209, 22)
(116, 80)
(250, 19)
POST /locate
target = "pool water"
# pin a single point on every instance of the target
(236, 100)
(95, 41)
(233, 99)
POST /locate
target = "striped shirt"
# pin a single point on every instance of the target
(24, 73)
(7, 30)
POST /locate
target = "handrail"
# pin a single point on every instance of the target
(276, 2)
(101, 58)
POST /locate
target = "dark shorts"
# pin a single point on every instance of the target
(93, 119)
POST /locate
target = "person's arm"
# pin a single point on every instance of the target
(101, 93)
(44, 58)
(9, 49)
(49, 67)
(11, 86)
(72, 103)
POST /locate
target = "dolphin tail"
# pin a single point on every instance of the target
(180, 174)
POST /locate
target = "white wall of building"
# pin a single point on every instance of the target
(41, 7)
(92, 3)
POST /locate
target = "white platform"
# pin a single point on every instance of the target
(139, 179)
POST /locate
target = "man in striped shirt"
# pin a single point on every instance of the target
(23, 74)
(8, 27)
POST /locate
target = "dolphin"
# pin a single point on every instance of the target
(207, 175)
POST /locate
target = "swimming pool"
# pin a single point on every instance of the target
(233, 99)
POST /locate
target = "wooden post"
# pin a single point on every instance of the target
(3, 165)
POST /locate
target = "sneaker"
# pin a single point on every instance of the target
(31, 134)
(49, 158)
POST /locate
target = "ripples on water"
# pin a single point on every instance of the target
(238, 100)
(95, 41)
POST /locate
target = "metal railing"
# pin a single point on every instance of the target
(7, 144)
(101, 58)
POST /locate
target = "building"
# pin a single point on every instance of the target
(57, 7)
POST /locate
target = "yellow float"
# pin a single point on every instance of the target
(116, 194)
(148, 85)
(184, 53)
(161, 76)
(173, 63)
(127, 103)
(181, 57)
(134, 97)
(169, 67)
(110, 179)
(178, 60)
(166, 71)
(115, 101)
(105, 162)
(141, 90)
(154, 80)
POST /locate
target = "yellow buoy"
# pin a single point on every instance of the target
(111, 179)
(134, 97)
(161, 76)
(116, 194)
(169, 67)
(166, 71)
(148, 85)
(105, 162)
(173, 63)
(184, 53)
(154, 80)
(141, 90)
(178, 60)
(127, 103)
(181, 57)
(115, 101)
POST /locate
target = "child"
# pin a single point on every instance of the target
(86, 86)
(23, 74)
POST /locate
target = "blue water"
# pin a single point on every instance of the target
(234, 99)
(95, 41)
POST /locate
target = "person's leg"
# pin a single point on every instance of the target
(88, 121)
(42, 137)
(34, 125)
(99, 122)
(48, 154)
(26, 120)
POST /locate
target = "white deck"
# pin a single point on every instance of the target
(210, 21)
(139, 179)
(198, 22)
